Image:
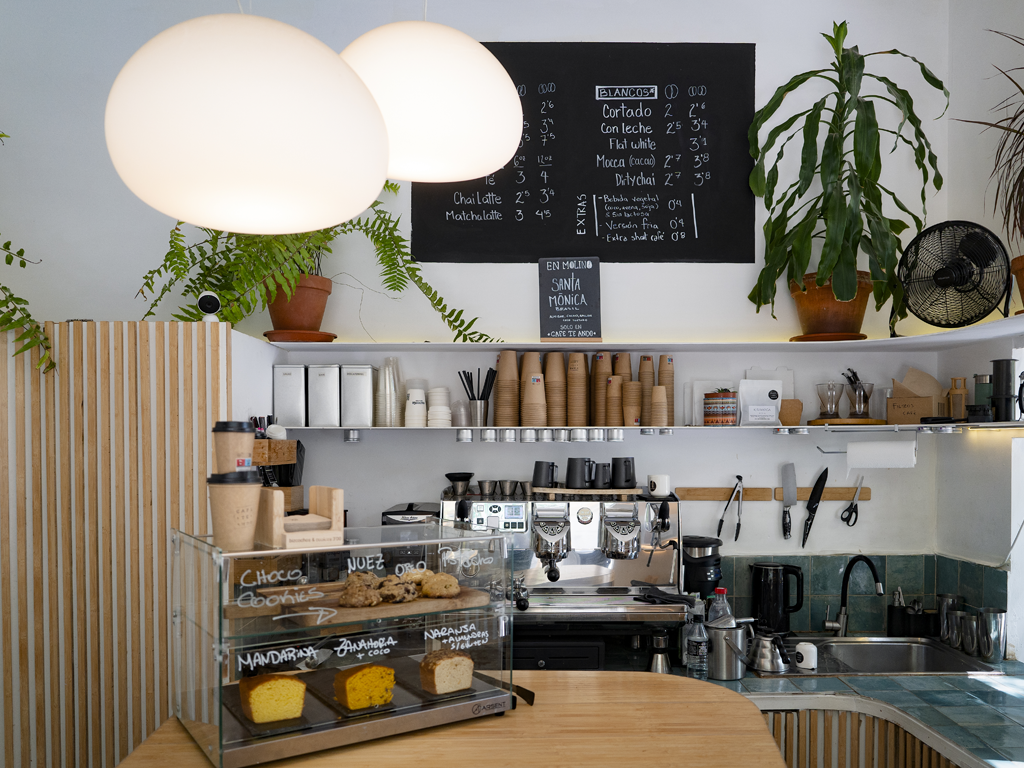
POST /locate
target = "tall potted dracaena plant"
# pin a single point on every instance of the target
(1008, 166)
(837, 197)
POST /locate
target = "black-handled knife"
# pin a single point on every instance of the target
(812, 503)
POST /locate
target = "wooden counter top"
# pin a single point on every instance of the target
(580, 718)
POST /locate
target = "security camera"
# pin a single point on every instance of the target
(209, 305)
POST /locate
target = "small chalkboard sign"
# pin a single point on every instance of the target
(570, 298)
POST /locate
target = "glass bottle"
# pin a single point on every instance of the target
(720, 614)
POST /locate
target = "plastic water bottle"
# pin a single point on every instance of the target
(720, 614)
(697, 650)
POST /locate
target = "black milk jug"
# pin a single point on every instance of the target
(769, 589)
(545, 474)
(623, 472)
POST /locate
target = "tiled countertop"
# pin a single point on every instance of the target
(984, 714)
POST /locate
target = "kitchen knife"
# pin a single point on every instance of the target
(812, 503)
(788, 498)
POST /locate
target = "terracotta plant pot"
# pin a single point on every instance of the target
(1017, 268)
(305, 310)
(820, 312)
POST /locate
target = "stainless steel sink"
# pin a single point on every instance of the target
(887, 656)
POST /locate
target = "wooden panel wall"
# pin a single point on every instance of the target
(99, 459)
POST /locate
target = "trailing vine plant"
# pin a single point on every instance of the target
(246, 271)
(14, 314)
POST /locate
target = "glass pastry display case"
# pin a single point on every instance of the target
(281, 652)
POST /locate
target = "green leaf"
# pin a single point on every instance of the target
(809, 153)
(765, 113)
(853, 71)
(866, 154)
(835, 228)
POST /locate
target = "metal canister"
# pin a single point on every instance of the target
(992, 634)
(945, 603)
(724, 662)
(983, 389)
(969, 634)
(955, 628)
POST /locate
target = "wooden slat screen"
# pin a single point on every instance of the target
(99, 459)
(824, 738)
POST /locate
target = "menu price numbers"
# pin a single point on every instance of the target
(671, 178)
(677, 223)
(700, 178)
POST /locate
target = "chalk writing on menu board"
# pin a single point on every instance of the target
(570, 298)
(631, 152)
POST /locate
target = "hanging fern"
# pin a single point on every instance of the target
(245, 271)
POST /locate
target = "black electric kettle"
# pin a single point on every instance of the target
(769, 589)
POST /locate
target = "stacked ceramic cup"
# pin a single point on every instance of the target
(415, 408)
(599, 388)
(667, 379)
(534, 410)
(613, 402)
(555, 388)
(577, 390)
(506, 390)
(659, 407)
(439, 412)
(646, 376)
(632, 399)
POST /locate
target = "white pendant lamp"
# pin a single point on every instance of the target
(452, 112)
(246, 124)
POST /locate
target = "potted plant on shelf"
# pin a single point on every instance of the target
(254, 272)
(836, 197)
(1008, 170)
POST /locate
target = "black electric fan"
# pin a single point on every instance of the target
(954, 274)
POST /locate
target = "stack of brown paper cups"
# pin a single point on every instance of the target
(623, 365)
(555, 388)
(528, 366)
(667, 379)
(631, 403)
(646, 376)
(659, 407)
(506, 390)
(534, 408)
(577, 390)
(613, 402)
(599, 388)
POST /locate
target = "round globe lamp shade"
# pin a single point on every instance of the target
(245, 124)
(451, 110)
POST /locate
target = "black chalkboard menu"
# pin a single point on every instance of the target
(570, 298)
(631, 152)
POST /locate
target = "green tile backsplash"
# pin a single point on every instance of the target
(920, 576)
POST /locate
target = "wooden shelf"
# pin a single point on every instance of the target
(1002, 328)
(272, 453)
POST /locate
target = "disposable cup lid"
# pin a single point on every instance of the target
(235, 478)
(233, 426)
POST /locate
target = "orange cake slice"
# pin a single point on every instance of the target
(269, 698)
(368, 685)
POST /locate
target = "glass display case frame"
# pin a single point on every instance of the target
(278, 611)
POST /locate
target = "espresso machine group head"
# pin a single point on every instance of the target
(551, 535)
(619, 534)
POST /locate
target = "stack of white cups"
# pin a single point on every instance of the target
(439, 413)
(415, 408)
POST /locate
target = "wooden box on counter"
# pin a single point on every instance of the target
(271, 453)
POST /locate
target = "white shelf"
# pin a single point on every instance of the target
(894, 428)
(997, 329)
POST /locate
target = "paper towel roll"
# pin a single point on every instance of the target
(882, 455)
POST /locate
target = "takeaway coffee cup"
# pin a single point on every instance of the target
(234, 503)
(658, 485)
(232, 446)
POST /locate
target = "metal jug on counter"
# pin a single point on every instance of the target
(766, 654)
(725, 660)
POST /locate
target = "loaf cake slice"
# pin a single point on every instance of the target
(446, 671)
(367, 685)
(269, 698)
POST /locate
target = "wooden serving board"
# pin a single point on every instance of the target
(722, 494)
(833, 493)
(467, 598)
(591, 491)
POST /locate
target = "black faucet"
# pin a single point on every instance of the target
(839, 625)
